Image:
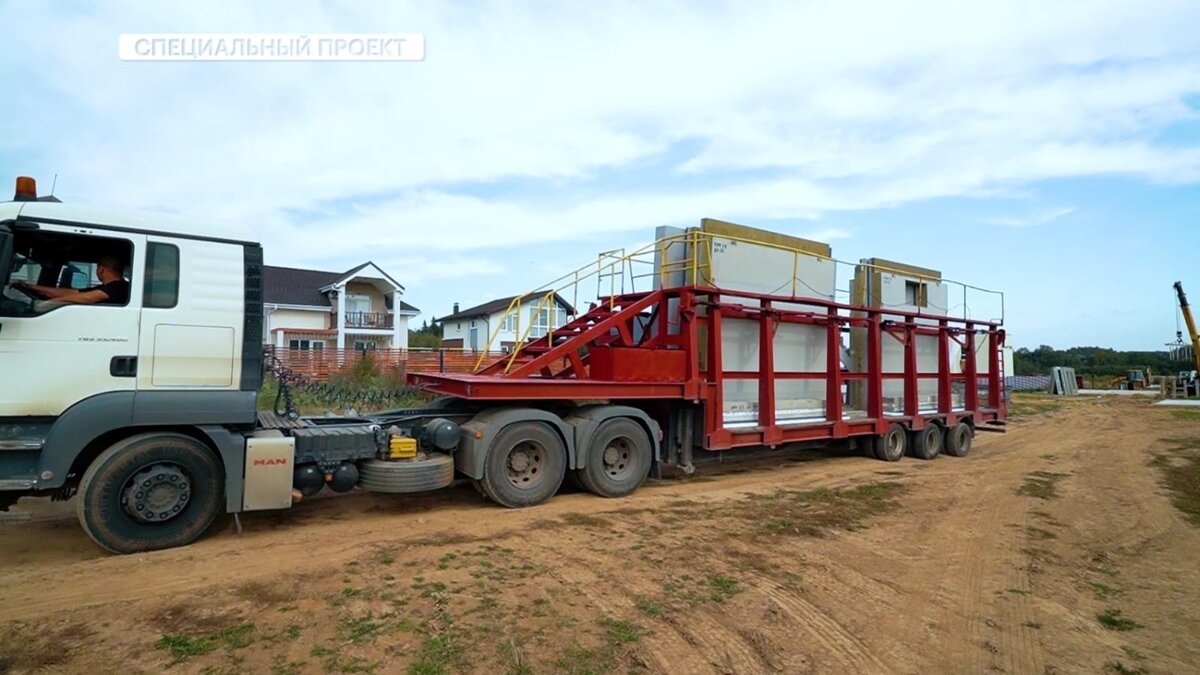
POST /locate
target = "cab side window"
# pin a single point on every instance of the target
(54, 269)
(162, 276)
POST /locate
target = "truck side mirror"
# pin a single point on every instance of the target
(6, 252)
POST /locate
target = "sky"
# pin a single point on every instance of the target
(1047, 150)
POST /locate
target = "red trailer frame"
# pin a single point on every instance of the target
(665, 345)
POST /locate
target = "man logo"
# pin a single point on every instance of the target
(274, 461)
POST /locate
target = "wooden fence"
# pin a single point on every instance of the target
(320, 364)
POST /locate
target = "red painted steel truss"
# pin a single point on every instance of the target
(666, 344)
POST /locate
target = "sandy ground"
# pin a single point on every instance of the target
(811, 562)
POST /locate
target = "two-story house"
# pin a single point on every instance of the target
(471, 328)
(313, 309)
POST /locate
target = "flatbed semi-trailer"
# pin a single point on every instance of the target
(145, 411)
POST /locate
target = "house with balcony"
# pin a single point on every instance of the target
(472, 328)
(309, 310)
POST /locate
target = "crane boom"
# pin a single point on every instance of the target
(1191, 324)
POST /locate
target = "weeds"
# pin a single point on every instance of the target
(621, 632)
(359, 630)
(183, 647)
(812, 513)
(1181, 477)
(723, 587)
(440, 655)
(1041, 484)
(1113, 620)
(648, 606)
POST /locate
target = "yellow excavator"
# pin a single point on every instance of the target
(1189, 380)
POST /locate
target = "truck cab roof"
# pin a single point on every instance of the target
(147, 222)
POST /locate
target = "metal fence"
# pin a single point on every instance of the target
(321, 364)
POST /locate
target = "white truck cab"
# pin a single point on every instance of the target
(131, 357)
(178, 357)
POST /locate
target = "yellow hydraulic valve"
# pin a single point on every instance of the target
(402, 447)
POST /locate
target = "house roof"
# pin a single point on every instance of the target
(350, 274)
(294, 286)
(499, 305)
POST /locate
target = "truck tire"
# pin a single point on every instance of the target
(891, 445)
(426, 472)
(150, 492)
(618, 459)
(927, 443)
(958, 440)
(525, 465)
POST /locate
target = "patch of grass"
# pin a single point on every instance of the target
(516, 660)
(1189, 415)
(292, 632)
(440, 655)
(813, 513)
(1031, 405)
(1041, 484)
(444, 561)
(723, 587)
(621, 632)
(585, 520)
(648, 606)
(387, 558)
(236, 637)
(579, 660)
(1104, 591)
(184, 647)
(1181, 477)
(358, 630)
(1113, 620)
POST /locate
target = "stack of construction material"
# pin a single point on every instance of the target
(1062, 381)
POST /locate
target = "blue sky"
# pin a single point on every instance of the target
(1052, 153)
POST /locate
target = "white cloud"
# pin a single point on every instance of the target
(934, 93)
(528, 125)
(1039, 218)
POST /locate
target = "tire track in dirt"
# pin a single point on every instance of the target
(697, 633)
(838, 643)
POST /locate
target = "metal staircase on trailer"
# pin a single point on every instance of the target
(563, 352)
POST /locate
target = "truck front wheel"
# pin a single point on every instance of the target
(150, 492)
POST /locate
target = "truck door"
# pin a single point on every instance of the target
(193, 300)
(53, 355)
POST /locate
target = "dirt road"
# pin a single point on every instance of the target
(1051, 549)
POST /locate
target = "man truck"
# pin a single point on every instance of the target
(145, 409)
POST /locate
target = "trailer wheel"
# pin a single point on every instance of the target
(433, 471)
(958, 440)
(891, 445)
(618, 460)
(525, 465)
(150, 492)
(927, 443)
